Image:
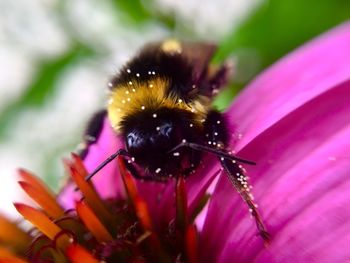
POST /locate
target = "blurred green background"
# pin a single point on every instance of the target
(56, 57)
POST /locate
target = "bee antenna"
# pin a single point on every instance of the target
(107, 161)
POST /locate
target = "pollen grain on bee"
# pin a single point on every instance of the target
(158, 170)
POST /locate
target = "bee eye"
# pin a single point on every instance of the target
(131, 138)
(166, 129)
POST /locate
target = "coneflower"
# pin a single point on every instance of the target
(97, 230)
(293, 120)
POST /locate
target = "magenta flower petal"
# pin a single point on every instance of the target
(297, 78)
(300, 141)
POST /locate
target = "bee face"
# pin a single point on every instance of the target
(157, 135)
(149, 137)
(137, 140)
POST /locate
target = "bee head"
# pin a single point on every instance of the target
(150, 135)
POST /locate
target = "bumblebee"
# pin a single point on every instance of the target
(160, 106)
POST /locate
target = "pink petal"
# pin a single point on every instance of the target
(301, 184)
(294, 80)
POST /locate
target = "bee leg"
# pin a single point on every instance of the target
(217, 135)
(92, 132)
(235, 173)
(149, 178)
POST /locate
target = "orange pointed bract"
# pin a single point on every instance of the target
(12, 235)
(41, 194)
(139, 204)
(191, 243)
(93, 223)
(128, 180)
(91, 196)
(79, 165)
(6, 256)
(181, 204)
(143, 214)
(42, 222)
(78, 254)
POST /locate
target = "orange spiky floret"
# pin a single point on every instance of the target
(13, 235)
(88, 191)
(43, 223)
(191, 243)
(40, 193)
(181, 204)
(6, 256)
(86, 234)
(92, 222)
(78, 254)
